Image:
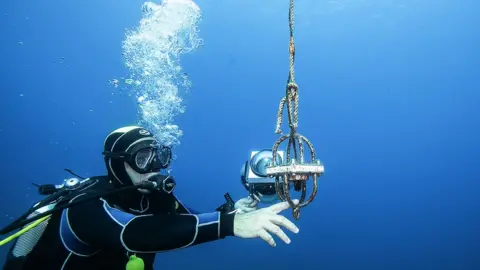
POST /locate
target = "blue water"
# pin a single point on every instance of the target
(389, 95)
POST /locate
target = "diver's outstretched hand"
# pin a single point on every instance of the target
(263, 222)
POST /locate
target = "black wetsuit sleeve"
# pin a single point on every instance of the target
(98, 224)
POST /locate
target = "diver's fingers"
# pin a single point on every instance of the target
(253, 203)
(279, 207)
(284, 222)
(267, 237)
(278, 232)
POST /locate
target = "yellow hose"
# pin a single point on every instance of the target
(24, 230)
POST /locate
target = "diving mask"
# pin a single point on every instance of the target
(144, 157)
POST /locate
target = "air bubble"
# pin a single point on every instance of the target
(152, 54)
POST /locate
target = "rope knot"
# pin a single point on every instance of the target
(292, 89)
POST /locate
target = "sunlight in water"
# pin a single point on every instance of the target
(152, 52)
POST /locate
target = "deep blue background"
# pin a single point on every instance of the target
(389, 94)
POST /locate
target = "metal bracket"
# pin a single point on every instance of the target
(295, 171)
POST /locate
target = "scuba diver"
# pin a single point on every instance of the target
(121, 220)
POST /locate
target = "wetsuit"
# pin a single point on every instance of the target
(103, 233)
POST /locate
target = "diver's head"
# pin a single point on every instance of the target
(133, 155)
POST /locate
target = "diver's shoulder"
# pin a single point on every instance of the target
(93, 188)
(97, 183)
